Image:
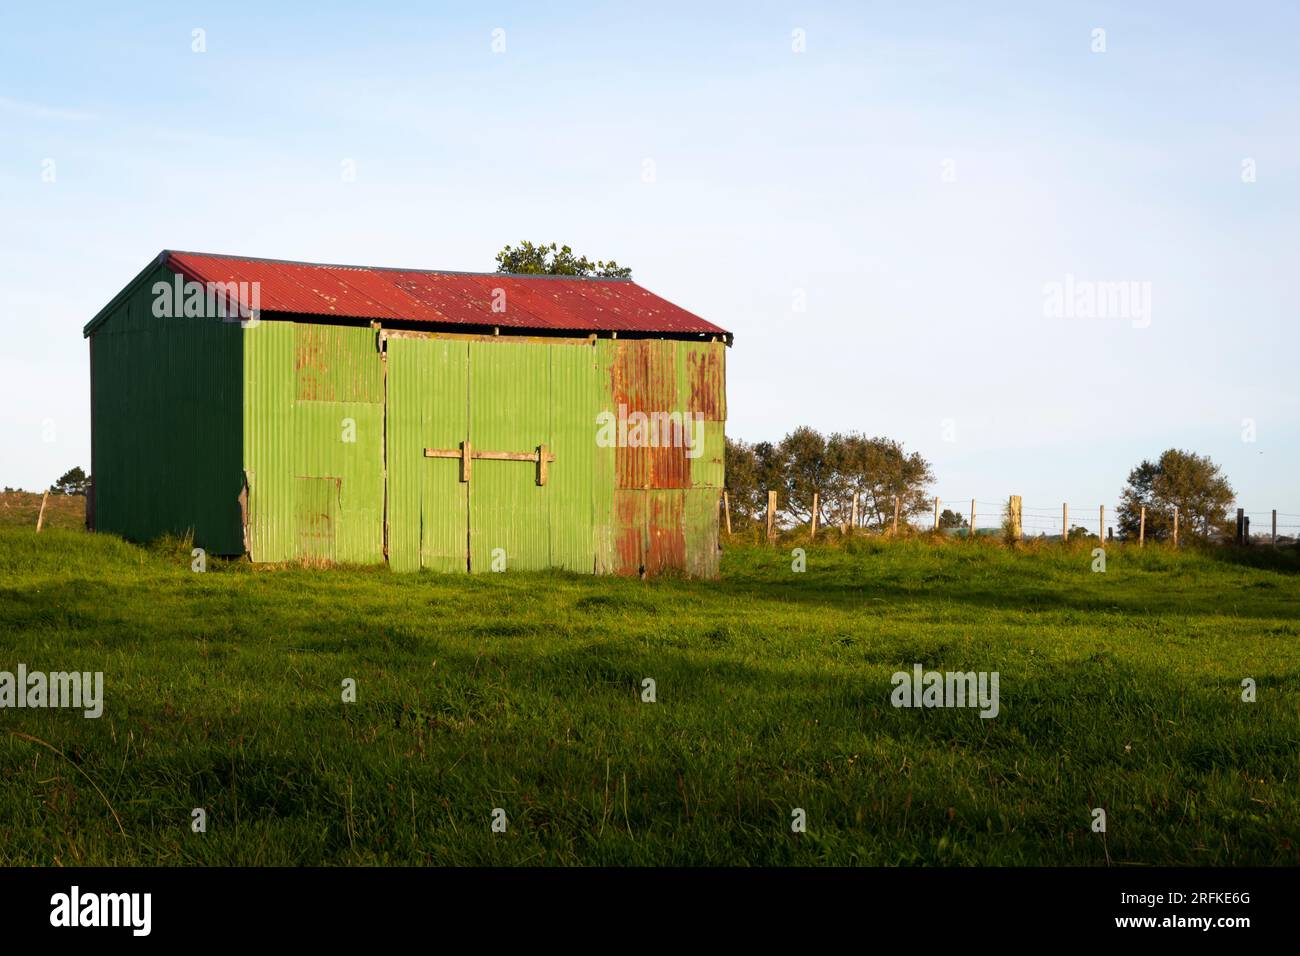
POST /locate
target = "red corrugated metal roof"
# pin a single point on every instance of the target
(447, 298)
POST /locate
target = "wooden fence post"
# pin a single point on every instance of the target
(1175, 527)
(1065, 521)
(1241, 525)
(1275, 527)
(1013, 509)
(972, 519)
(853, 522)
(936, 514)
(814, 517)
(1142, 528)
(40, 519)
(771, 515)
(726, 508)
(897, 505)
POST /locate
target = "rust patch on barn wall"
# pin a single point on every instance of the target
(644, 374)
(629, 531)
(336, 364)
(706, 375)
(665, 538)
(310, 364)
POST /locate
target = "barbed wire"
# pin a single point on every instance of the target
(1040, 520)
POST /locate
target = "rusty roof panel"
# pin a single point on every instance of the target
(448, 298)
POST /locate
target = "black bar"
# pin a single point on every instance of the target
(331, 906)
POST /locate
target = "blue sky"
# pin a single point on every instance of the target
(915, 178)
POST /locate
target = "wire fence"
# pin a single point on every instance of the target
(1035, 520)
(1065, 520)
(1099, 520)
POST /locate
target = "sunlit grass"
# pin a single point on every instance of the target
(1119, 690)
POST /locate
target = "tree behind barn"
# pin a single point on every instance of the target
(751, 471)
(805, 462)
(878, 469)
(541, 259)
(71, 482)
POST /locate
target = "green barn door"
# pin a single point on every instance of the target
(510, 404)
(509, 415)
(428, 516)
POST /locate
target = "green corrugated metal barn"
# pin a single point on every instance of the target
(455, 421)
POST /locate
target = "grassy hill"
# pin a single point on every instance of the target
(1119, 690)
(20, 509)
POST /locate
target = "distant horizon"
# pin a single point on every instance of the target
(1035, 254)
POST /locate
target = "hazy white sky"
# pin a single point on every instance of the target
(877, 218)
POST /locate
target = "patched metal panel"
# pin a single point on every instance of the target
(330, 367)
(316, 510)
(576, 393)
(509, 411)
(700, 519)
(702, 381)
(629, 531)
(165, 422)
(664, 511)
(665, 530)
(707, 465)
(645, 398)
(268, 445)
(288, 437)
(603, 466)
(428, 382)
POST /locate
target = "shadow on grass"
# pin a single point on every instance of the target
(873, 597)
(1284, 559)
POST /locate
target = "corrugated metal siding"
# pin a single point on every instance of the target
(702, 379)
(289, 437)
(574, 401)
(665, 531)
(268, 440)
(428, 382)
(630, 546)
(510, 411)
(165, 415)
(316, 509)
(604, 523)
(665, 508)
(700, 525)
(645, 382)
(330, 368)
(704, 390)
(707, 469)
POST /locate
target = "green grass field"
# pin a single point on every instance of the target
(1119, 690)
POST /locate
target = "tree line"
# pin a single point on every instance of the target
(805, 462)
(878, 469)
(74, 481)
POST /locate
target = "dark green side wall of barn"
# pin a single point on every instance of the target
(166, 423)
